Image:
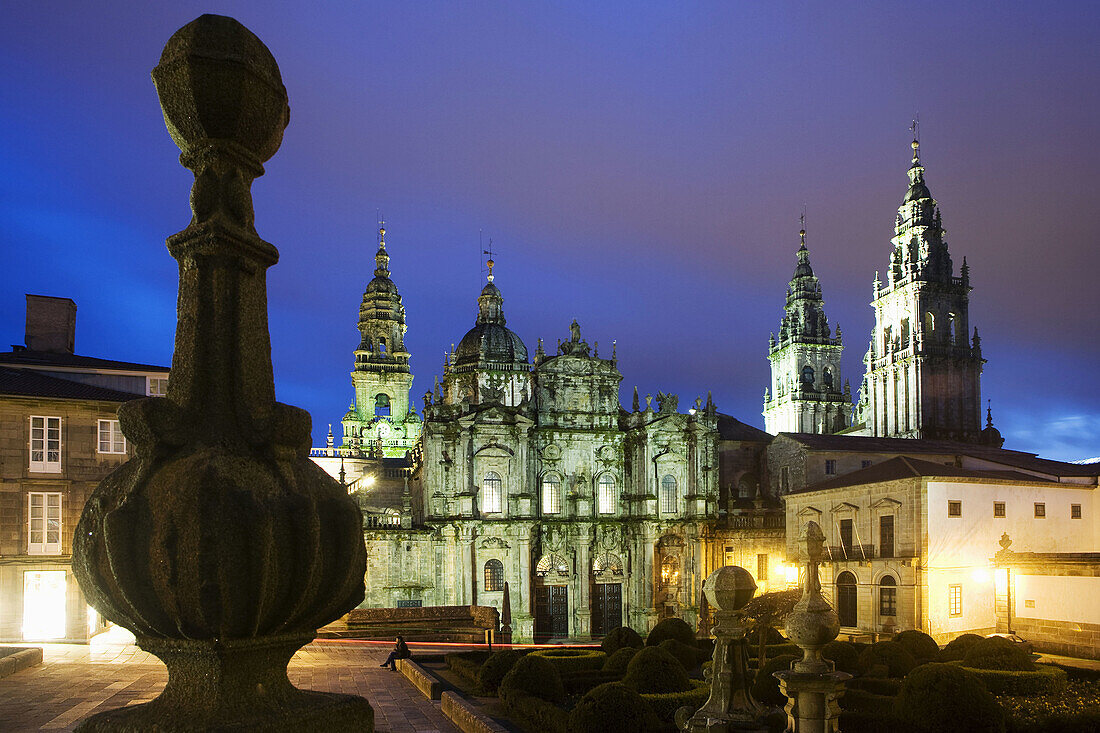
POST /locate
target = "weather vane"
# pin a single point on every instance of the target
(489, 262)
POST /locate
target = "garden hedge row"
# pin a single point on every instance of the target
(534, 714)
(665, 704)
(573, 660)
(580, 683)
(1045, 680)
(466, 664)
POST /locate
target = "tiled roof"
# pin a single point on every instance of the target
(46, 358)
(904, 467)
(30, 383)
(730, 428)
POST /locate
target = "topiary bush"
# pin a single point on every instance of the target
(889, 654)
(623, 636)
(687, 656)
(843, 654)
(580, 683)
(867, 702)
(665, 704)
(611, 708)
(466, 664)
(956, 648)
(765, 687)
(654, 670)
(495, 667)
(997, 652)
(875, 685)
(922, 646)
(1043, 681)
(671, 628)
(947, 699)
(533, 675)
(616, 663)
(573, 660)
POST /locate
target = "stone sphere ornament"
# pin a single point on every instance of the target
(729, 588)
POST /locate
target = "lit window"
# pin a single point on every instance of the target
(551, 495)
(830, 467)
(1040, 510)
(998, 509)
(156, 386)
(887, 596)
(762, 567)
(44, 604)
(494, 575)
(954, 508)
(1074, 511)
(955, 600)
(492, 490)
(605, 499)
(46, 444)
(43, 523)
(668, 494)
(111, 439)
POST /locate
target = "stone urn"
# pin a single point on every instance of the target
(812, 622)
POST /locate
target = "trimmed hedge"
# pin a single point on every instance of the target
(868, 702)
(616, 663)
(534, 675)
(495, 667)
(466, 664)
(843, 654)
(922, 646)
(997, 652)
(875, 685)
(532, 713)
(579, 683)
(1043, 680)
(890, 654)
(653, 670)
(765, 687)
(957, 648)
(665, 704)
(774, 650)
(945, 698)
(671, 628)
(1075, 709)
(687, 656)
(858, 721)
(573, 660)
(611, 708)
(620, 637)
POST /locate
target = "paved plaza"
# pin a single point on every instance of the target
(75, 681)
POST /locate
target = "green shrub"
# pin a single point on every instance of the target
(579, 683)
(665, 704)
(671, 628)
(1076, 709)
(534, 714)
(774, 650)
(573, 660)
(611, 708)
(654, 670)
(997, 652)
(466, 664)
(868, 702)
(534, 675)
(687, 656)
(922, 646)
(889, 654)
(843, 654)
(616, 663)
(956, 648)
(948, 699)
(859, 721)
(495, 667)
(765, 687)
(875, 685)
(1043, 680)
(623, 636)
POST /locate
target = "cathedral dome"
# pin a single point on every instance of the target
(381, 284)
(490, 342)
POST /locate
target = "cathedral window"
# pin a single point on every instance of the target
(492, 490)
(668, 494)
(551, 495)
(827, 377)
(494, 575)
(382, 344)
(807, 376)
(608, 563)
(605, 495)
(382, 404)
(929, 322)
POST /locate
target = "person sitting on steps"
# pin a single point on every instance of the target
(400, 651)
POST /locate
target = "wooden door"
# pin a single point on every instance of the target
(607, 607)
(551, 612)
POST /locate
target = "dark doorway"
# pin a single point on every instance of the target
(607, 607)
(846, 599)
(551, 612)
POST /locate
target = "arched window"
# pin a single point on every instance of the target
(551, 563)
(668, 494)
(929, 322)
(605, 495)
(607, 563)
(827, 377)
(951, 328)
(887, 596)
(551, 494)
(492, 490)
(382, 404)
(846, 599)
(382, 344)
(494, 575)
(807, 376)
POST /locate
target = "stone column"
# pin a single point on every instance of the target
(220, 544)
(811, 684)
(730, 706)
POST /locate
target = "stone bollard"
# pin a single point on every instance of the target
(730, 706)
(811, 685)
(220, 544)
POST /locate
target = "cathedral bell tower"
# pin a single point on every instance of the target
(923, 369)
(381, 412)
(806, 394)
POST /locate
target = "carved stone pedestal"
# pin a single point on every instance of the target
(812, 700)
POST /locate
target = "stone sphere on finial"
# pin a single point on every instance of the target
(218, 82)
(729, 588)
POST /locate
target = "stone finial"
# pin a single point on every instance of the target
(812, 623)
(220, 544)
(729, 588)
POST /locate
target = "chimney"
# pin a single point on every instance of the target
(51, 324)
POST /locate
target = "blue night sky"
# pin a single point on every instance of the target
(639, 166)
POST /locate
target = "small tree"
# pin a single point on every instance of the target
(768, 611)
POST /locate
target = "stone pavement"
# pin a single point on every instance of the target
(74, 681)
